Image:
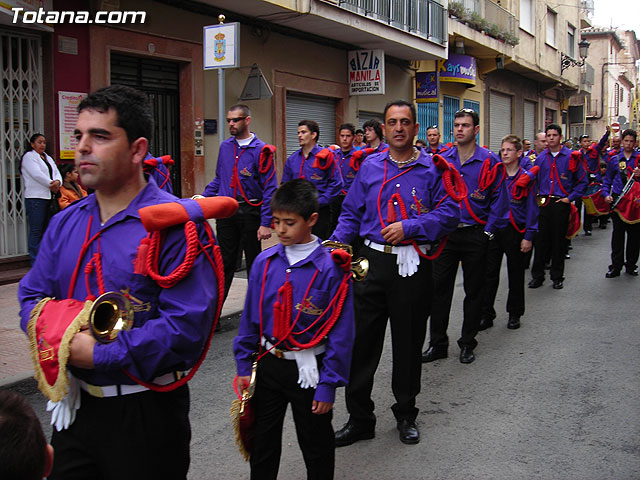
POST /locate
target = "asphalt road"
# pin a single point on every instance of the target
(557, 399)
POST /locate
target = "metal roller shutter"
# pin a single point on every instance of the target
(529, 120)
(309, 107)
(500, 119)
(364, 117)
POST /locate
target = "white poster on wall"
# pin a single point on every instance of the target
(366, 72)
(67, 118)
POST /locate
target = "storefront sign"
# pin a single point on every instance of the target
(366, 72)
(426, 87)
(458, 68)
(67, 118)
(221, 46)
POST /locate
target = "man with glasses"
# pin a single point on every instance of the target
(483, 213)
(246, 172)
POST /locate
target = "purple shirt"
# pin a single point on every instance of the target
(328, 181)
(160, 174)
(523, 211)
(170, 325)
(490, 204)
(612, 182)
(334, 371)
(572, 184)
(348, 173)
(591, 156)
(256, 185)
(420, 187)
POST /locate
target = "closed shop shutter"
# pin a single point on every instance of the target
(364, 117)
(499, 119)
(529, 120)
(309, 107)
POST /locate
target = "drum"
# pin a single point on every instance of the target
(593, 201)
(574, 222)
(629, 206)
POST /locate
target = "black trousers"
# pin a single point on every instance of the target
(406, 301)
(139, 436)
(276, 387)
(336, 209)
(236, 234)
(618, 249)
(322, 227)
(468, 246)
(507, 242)
(551, 240)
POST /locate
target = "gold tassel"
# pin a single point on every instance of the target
(234, 412)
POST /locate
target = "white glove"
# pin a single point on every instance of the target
(63, 413)
(408, 260)
(308, 375)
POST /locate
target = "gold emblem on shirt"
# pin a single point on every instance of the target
(308, 307)
(420, 208)
(137, 304)
(245, 172)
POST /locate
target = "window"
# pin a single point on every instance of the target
(571, 41)
(551, 27)
(427, 117)
(526, 15)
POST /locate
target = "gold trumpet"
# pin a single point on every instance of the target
(111, 312)
(359, 267)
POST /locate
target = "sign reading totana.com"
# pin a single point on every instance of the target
(366, 72)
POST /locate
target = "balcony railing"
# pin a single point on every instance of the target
(425, 18)
(493, 13)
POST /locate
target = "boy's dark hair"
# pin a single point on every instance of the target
(348, 126)
(376, 125)
(400, 103)
(359, 131)
(23, 448)
(554, 126)
(132, 108)
(312, 125)
(630, 132)
(296, 196)
(463, 112)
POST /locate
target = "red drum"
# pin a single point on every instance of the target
(574, 222)
(629, 206)
(593, 201)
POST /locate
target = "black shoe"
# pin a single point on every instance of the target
(351, 433)
(466, 355)
(514, 322)
(536, 282)
(485, 322)
(434, 353)
(612, 273)
(632, 271)
(587, 233)
(409, 432)
(558, 285)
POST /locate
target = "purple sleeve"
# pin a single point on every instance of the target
(176, 337)
(581, 181)
(247, 342)
(607, 181)
(532, 213)
(269, 186)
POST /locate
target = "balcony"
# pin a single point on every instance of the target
(424, 18)
(488, 17)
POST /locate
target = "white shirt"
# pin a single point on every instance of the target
(300, 251)
(35, 175)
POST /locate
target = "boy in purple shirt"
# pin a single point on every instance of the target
(298, 316)
(514, 241)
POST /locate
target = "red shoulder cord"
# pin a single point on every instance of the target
(151, 164)
(486, 177)
(215, 259)
(391, 212)
(325, 154)
(593, 153)
(283, 328)
(574, 160)
(358, 157)
(518, 190)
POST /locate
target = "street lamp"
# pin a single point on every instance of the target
(566, 61)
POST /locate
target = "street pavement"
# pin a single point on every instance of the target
(556, 399)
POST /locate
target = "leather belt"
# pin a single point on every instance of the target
(102, 391)
(289, 354)
(393, 249)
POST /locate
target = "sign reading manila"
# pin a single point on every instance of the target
(366, 72)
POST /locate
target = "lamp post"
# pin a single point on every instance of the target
(566, 61)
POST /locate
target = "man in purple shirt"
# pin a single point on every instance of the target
(483, 213)
(591, 158)
(514, 241)
(95, 246)
(247, 174)
(317, 165)
(561, 180)
(399, 205)
(433, 137)
(346, 136)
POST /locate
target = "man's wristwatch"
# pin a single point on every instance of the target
(490, 235)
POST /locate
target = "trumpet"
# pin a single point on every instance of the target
(359, 267)
(110, 313)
